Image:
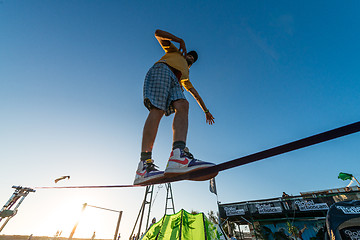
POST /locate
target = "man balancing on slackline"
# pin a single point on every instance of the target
(163, 94)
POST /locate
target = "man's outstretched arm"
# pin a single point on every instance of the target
(208, 115)
(164, 39)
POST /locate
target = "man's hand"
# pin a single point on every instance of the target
(209, 118)
(164, 39)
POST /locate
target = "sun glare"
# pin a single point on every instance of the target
(64, 217)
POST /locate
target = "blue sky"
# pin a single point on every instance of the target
(71, 75)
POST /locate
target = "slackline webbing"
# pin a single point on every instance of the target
(104, 186)
(295, 145)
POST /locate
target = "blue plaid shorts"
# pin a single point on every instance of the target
(162, 88)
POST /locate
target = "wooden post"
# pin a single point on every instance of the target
(77, 223)
(356, 181)
(117, 226)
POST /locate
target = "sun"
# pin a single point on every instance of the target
(73, 212)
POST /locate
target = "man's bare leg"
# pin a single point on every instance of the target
(150, 129)
(147, 171)
(181, 160)
(180, 123)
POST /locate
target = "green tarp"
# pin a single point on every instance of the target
(184, 226)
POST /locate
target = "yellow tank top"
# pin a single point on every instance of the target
(175, 59)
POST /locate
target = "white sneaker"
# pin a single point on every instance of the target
(147, 172)
(182, 161)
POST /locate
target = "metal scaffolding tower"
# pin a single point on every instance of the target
(8, 210)
(147, 202)
(169, 197)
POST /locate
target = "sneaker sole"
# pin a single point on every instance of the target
(148, 180)
(202, 178)
(171, 172)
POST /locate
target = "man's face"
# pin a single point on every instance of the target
(189, 59)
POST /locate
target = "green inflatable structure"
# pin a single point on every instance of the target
(184, 226)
